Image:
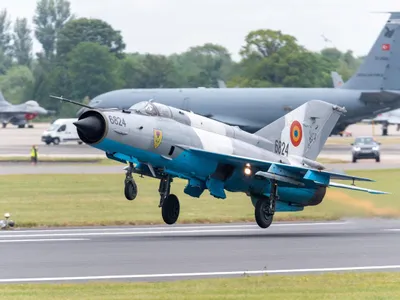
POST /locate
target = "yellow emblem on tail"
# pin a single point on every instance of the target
(157, 137)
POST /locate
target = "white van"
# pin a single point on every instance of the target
(61, 131)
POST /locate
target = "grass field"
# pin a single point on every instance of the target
(353, 286)
(67, 200)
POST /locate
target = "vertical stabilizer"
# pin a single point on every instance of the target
(337, 80)
(3, 101)
(303, 131)
(381, 67)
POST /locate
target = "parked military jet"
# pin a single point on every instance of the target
(373, 89)
(386, 118)
(20, 114)
(276, 166)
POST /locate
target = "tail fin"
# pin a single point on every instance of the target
(336, 80)
(303, 131)
(381, 67)
(3, 101)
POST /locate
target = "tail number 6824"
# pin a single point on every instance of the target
(117, 121)
(281, 148)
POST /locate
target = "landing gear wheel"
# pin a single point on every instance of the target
(170, 209)
(263, 213)
(130, 190)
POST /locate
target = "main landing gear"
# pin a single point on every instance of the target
(265, 207)
(169, 203)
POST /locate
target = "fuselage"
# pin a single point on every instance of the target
(161, 142)
(249, 108)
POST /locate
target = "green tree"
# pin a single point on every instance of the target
(147, 71)
(92, 70)
(274, 59)
(22, 47)
(203, 65)
(263, 43)
(89, 30)
(17, 84)
(5, 32)
(50, 18)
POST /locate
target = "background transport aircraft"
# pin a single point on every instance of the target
(387, 118)
(276, 166)
(373, 89)
(20, 114)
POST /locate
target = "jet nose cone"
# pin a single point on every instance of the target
(90, 129)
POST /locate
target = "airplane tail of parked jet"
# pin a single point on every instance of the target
(381, 67)
(303, 132)
(3, 101)
(337, 80)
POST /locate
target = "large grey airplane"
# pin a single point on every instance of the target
(276, 166)
(387, 118)
(374, 88)
(20, 114)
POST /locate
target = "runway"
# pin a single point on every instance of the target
(16, 142)
(182, 252)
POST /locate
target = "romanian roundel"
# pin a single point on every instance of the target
(296, 133)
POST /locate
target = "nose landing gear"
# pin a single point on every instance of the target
(130, 190)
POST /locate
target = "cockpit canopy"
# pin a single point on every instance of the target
(32, 103)
(150, 108)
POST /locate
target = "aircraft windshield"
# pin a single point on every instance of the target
(365, 140)
(152, 109)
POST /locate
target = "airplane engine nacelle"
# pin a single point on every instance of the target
(91, 127)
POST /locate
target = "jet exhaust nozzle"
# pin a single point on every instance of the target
(91, 127)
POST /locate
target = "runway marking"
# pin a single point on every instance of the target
(148, 232)
(201, 274)
(174, 228)
(41, 240)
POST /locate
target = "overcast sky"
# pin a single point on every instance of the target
(168, 26)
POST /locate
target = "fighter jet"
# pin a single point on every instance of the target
(373, 89)
(276, 166)
(20, 114)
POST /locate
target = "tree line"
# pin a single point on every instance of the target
(81, 58)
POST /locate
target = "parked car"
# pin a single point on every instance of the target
(365, 147)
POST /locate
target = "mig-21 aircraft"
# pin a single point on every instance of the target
(276, 166)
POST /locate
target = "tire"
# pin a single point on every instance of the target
(170, 209)
(48, 143)
(56, 141)
(354, 159)
(130, 190)
(378, 159)
(263, 219)
(80, 142)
